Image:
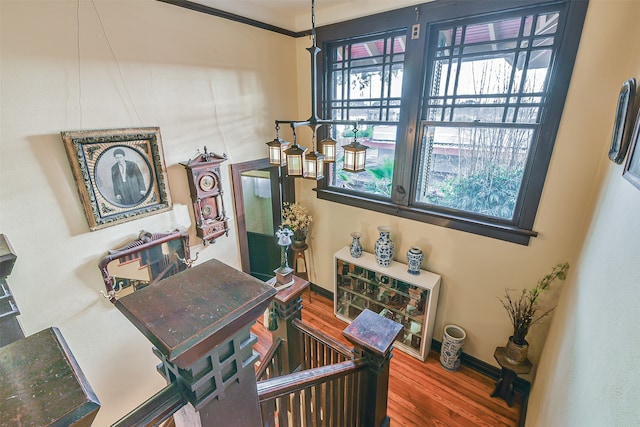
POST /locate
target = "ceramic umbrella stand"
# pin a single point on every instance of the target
(452, 342)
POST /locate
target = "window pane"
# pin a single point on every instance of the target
(372, 96)
(473, 169)
(491, 59)
(376, 178)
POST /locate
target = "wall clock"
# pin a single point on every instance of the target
(205, 188)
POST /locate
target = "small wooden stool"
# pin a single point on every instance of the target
(504, 387)
(298, 255)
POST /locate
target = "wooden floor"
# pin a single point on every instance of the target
(421, 394)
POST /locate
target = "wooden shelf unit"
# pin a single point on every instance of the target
(409, 299)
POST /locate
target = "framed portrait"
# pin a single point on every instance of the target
(120, 173)
(632, 167)
(623, 124)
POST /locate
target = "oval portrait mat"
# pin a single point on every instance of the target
(103, 173)
(623, 124)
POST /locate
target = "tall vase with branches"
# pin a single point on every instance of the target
(525, 311)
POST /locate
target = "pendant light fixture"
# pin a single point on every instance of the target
(329, 148)
(295, 157)
(311, 165)
(277, 147)
(355, 154)
(314, 163)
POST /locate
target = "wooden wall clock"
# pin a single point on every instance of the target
(205, 188)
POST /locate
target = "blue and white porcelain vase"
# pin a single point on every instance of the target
(414, 259)
(452, 343)
(356, 247)
(383, 248)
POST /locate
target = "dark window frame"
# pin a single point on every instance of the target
(520, 230)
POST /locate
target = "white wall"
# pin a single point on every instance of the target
(589, 373)
(202, 80)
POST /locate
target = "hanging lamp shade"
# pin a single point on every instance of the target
(277, 155)
(295, 158)
(314, 166)
(354, 156)
(328, 147)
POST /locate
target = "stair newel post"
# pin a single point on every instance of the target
(199, 321)
(372, 336)
(288, 307)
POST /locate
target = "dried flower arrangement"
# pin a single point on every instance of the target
(297, 218)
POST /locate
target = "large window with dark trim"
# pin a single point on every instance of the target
(459, 110)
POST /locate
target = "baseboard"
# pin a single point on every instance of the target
(321, 291)
(520, 385)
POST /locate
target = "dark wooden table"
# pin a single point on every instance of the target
(504, 387)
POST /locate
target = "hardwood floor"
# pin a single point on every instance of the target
(421, 394)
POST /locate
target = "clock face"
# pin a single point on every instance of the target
(207, 182)
(207, 210)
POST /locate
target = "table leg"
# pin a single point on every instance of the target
(504, 387)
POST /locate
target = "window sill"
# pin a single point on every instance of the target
(493, 230)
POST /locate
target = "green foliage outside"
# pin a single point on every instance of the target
(375, 179)
(366, 133)
(492, 192)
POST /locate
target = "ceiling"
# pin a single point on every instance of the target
(295, 15)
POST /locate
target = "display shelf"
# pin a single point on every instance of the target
(393, 292)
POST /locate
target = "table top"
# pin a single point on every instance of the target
(501, 358)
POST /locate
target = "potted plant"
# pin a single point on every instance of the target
(523, 312)
(297, 218)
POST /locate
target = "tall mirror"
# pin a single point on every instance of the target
(146, 260)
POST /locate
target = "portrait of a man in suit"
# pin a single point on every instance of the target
(128, 183)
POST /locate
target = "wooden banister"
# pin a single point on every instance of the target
(157, 409)
(373, 337)
(291, 383)
(271, 361)
(325, 339)
(199, 321)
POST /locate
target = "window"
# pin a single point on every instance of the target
(461, 119)
(366, 85)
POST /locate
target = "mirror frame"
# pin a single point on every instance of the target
(144, 241)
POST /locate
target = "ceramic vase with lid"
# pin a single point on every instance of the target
(356, 247)
(383, 248)
(414, 259)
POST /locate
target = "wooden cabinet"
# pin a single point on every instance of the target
(408, 299)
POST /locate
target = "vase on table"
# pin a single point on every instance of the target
(516, 353)
(414, 259)
(356, 247)
(298, 242)
(383, 248)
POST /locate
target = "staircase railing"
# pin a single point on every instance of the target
(208, 358)
(327, 395)
(271, 363)
(328, 383)
(319, 349)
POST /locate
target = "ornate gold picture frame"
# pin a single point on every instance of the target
(120, 173)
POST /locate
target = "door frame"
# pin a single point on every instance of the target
(277, 197)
